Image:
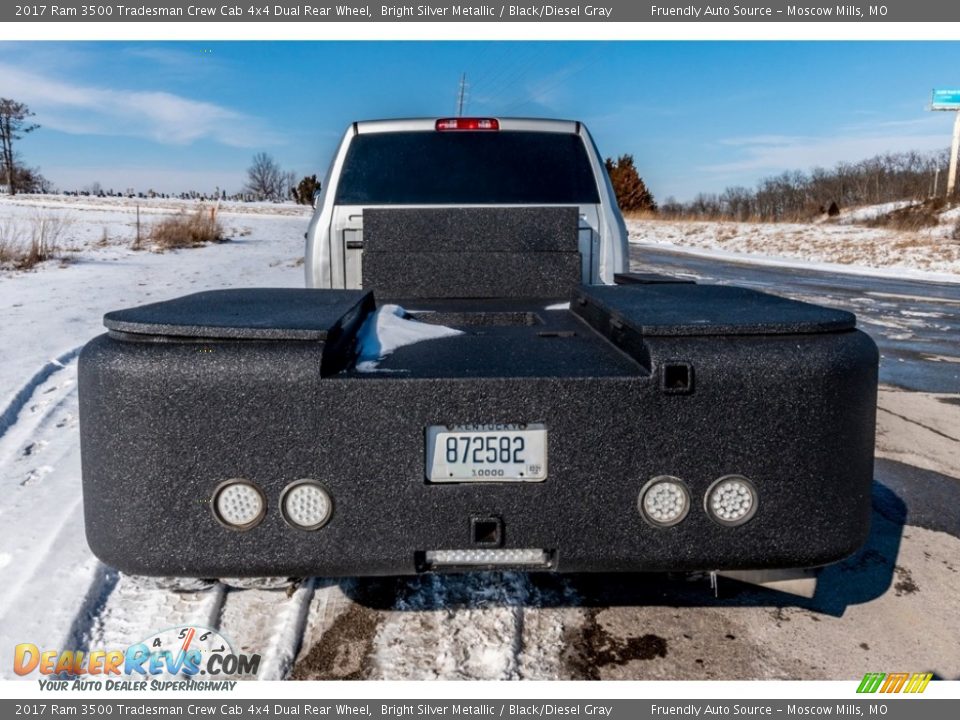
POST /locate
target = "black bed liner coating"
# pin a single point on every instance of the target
(261, 384)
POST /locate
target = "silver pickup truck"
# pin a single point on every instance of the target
(472, 380)
(463, 162)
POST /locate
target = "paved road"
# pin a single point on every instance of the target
(915, 324)
(917, 328)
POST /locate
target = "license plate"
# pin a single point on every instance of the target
(487, 453)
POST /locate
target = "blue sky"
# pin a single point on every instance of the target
(697, 116)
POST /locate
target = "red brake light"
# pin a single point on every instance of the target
(462, 123)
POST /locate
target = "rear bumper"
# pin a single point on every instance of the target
(163, 424)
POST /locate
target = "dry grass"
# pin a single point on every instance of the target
(10, 242)
(642, 215)
(910, 218)
(187, 230)
(104, 240)
(720, 218)
(22, 248)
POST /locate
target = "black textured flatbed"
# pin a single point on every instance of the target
(506, 339)
(629, 385)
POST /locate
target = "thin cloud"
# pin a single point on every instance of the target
(156, 115)
(167, 56)
(773, 153)
(547, 91)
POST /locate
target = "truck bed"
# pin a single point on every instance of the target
(632, 383)
(507, 339)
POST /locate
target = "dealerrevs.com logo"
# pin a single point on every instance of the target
(174, 658)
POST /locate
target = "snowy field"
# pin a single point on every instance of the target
(55, 594)
(842, 245)
(52, 591)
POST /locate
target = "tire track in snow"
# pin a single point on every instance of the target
(338, 636)
(36, 435)
(49, 565)
(463, 627)
(42, 598)
(137, 608)
(553, 609)
(11, 413)
(268, 622)
(103, 581)
(408, 644)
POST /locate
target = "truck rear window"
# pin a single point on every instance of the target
(462, 167)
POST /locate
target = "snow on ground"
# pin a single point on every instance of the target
(872, 212)
(52, 590)
(840, 247)
(152, 205)
(54, 309)
(950, 216)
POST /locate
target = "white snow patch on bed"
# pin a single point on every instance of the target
(391, 328)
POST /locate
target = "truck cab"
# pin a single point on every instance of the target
(465, 163)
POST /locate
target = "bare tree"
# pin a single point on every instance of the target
(288, 182)
(14, 124)
(265, 179)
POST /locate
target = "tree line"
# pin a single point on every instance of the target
(266, 180)
(792, 195)
(798, 195)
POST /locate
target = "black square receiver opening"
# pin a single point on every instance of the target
(486, 531)
(677, 377)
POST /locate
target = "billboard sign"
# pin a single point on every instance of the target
(946, 100)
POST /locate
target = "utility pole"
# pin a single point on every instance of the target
(954, 149)
(949, 100)
(461, 94)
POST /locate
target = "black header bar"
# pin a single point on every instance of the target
(939, 11)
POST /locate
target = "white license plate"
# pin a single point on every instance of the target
(487, 453)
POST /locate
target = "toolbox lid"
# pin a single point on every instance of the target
(685, 309)
(246, 314)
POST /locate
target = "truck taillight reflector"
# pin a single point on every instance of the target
(462, 123)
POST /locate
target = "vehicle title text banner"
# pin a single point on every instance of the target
(938, 11)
